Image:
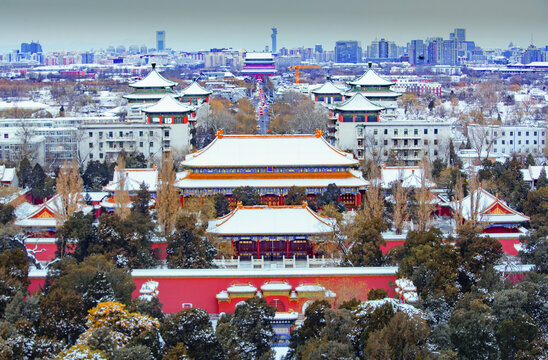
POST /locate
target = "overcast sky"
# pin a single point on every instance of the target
(204, 24)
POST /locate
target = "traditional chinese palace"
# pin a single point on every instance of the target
(271, 164)
(194, 94)
(271, 231)
(259, 65)
(499, 221)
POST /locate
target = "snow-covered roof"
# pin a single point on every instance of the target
(7, 174)
(153, 80)
(370, 78)
(258, 56)
(194, 89)
(241, 288)
(532, 173)
(188, 180)
(49, 209)
(263, 219)
(145, 96)
(489, 208)
(374, 94)
(327, 88)
(410, 176)
(369, 306)
(269, 150)
(168, 104)
(133, 180)
(96, 195)
(358, 102)
(276, 286)
(309, 288)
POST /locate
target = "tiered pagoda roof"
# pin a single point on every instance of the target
(194, 89)
(133, 180)
(358, 103)
(153, 80)
(370, 78)
(328, 88)
(168, 105)
(270, 220)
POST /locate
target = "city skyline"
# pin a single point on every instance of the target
(246, 24)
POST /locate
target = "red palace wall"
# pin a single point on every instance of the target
(200, 287)
(390, 244)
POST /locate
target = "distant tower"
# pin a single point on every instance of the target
(160, 40)
(273, 36)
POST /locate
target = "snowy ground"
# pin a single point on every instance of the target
(280, 352)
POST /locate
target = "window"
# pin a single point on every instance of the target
(140, 144)
(527, 133)
(405, 131)
(121, 133)
(503, 133)
(385, 142)
(542, 142)
(534, 142)
(140, 133)
(496, 133)
(511, 133)
(503, 142)
(435, 152)
(151, 133)
(435, 141)
(511, 142)
(519, 142)
(416, 131)
(415, 142)
(405, 142)
(91, 145)
(100, 134)
(385, 131)
(535, 133)
(395, 131)
(526, 142)
(110, 134)
(375, 132)
(425, 131)
(495, 150)
(519, 133)
(100, 155)
(91, 156)
(425, 142)
(151, 144)
(166, 133)
(360, 131)
(359, 142)
(359, 118)
(90, 134)
(435, 131)
(6, 136)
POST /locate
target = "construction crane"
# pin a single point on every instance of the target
(299, 67)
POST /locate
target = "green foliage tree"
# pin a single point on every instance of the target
(331, 196)
(542, 180)
(222, 206)
(142, 200)
(377, 294)
(97, 175)
(365, 249)
(95, 279)
(295, 196)
(311, 328)
(24, 173)
(520, 338)
(248, 332)
(13, 276)
(403, 337)
(135, 160)
(77, 231)
(536, 206)
(7, 214)
(431, 264)
(192, 328)
(536, 249)
(473, 330)
(187, 247)
(127, 241)
(246, 195)
(62, 314)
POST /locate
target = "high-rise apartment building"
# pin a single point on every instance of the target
(348, 52)
(382, 49)
(160, 40)
(416, 52)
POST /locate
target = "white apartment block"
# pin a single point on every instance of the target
(405, 141)
(508, 139)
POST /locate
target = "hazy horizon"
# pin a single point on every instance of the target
(246, 24)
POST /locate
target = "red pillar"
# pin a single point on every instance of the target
(313, 250)
(287, 248)
(182, 201)
(258, 249)
(232, 247)
(358, 199)
(281, 199)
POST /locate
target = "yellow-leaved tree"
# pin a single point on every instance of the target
(167, 196)
(69, 190)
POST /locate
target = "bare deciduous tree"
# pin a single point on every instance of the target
(400, 207)
(121, 195)
(373, 199)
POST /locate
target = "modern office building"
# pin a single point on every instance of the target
(416, 52)
(273, 36)
(160, 40)
(348, 52)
